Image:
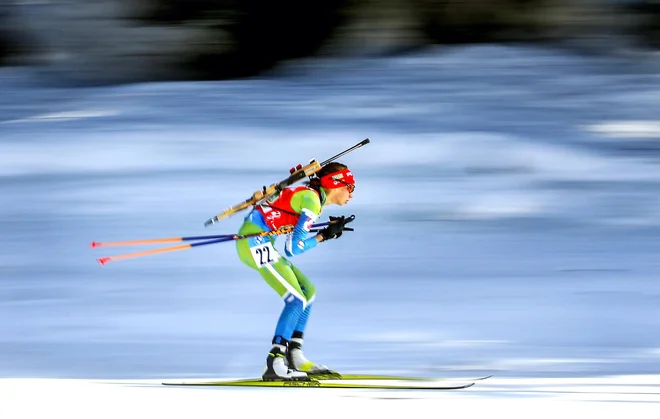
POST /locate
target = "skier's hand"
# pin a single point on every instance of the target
(336, 227)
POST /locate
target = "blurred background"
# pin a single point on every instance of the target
(507, 207)
(112, 41)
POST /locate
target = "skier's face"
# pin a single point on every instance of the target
(341, 196)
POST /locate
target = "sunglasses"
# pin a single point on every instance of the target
(349, 186)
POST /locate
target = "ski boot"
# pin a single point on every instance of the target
(296, 359)
(277, 370)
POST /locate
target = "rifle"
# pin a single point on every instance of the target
(298, 173)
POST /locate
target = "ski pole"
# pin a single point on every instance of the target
(107, 259)
(155, 241)
(224, 238)
(315, 227)
(316, 230)
(266, 192)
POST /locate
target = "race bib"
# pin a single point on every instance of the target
(264, 254)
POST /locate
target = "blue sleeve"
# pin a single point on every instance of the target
(297, 242)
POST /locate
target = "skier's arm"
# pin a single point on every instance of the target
(308, 204)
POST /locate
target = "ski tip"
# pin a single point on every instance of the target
(483, 377)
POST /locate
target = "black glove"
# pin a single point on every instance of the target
(336, 227)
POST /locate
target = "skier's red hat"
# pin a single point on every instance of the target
(338, 180)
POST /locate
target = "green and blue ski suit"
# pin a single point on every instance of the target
(299, 207)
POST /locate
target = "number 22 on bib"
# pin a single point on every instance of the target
(264, 254)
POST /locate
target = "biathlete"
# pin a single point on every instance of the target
(299, 207)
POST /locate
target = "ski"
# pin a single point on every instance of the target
(337, 376)
(382, 384)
